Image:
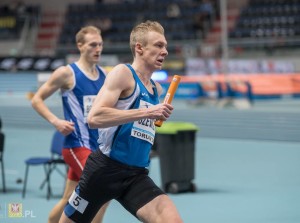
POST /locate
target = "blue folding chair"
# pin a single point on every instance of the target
(2, 138)
(49, 163)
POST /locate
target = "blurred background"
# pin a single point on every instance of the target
(240, 86)
(248, 46)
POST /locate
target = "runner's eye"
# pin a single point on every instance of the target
(93, 45)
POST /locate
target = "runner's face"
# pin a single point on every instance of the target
(155, 51)
(92, 48)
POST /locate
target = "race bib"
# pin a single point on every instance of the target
(144, 129)
(77, 202)
(87, 105)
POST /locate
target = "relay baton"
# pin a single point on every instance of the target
(170, 95)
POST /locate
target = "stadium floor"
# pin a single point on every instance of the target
(238, 181)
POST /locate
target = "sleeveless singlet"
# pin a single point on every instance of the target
(131, 143)
(77, 103)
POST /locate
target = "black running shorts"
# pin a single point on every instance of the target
(104, 179)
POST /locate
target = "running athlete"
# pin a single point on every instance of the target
(125, 109)
(79, 83)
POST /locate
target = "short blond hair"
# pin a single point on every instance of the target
(85, 30)
(139, 32)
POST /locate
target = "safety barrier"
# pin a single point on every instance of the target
(240, 85)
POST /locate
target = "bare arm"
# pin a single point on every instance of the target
(120, 83)
(61, 78)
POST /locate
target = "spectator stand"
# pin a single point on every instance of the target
(123, 16)
(267, 24)
(17, 21)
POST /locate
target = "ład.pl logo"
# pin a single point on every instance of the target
(15, 210)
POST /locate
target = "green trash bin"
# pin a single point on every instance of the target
(175, 144)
